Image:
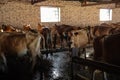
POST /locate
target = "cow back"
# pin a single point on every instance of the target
(101, 30)
(14, 44)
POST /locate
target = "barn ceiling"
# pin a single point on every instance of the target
(83, 2)
(2, 1)
(5, 1)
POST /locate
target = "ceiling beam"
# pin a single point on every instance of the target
(117, 4)
(36, 1)
(97, 3)
(84, 2)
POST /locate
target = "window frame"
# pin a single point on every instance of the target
(108, 14)
(49, 18)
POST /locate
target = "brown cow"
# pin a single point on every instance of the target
(106, 43)
(27, 28)
(18, 44)
(111, 49)
(106, 29)
(54, 37)
(63, 31)
(98, 47)
(100, 32)
(46, 36)
(8, 28)
(107, 50)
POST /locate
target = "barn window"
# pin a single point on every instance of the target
(105, 14)
(50, 14)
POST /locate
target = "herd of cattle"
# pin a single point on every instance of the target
(28, 41)
(106, 43)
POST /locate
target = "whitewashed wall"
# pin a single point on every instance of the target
(19, 13)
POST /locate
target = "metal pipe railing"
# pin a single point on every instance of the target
(95, 65)
(110, 68)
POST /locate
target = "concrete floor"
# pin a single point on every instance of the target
(52, 67)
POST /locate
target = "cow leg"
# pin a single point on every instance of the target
(95, 72)
(4, 66)
(61, 41)
(33, 64)
(4, 59)
(105, 76)
(54, 41)
(93, 76)
(84, 52)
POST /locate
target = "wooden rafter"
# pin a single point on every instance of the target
(36, 1)
(84, 3)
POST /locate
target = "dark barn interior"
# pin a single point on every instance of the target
(59, 39)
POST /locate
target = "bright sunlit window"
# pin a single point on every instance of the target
(50, 14)
(105, 14)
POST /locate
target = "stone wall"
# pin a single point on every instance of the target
(19, 13)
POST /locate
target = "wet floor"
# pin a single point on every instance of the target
(61, 66)
(53, 67)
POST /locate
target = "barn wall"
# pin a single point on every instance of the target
(19, 13)
(116, 16)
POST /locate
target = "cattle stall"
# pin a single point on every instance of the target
(59, 39)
